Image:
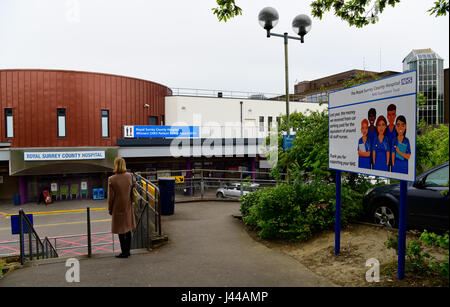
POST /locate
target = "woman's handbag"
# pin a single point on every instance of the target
(135, 197)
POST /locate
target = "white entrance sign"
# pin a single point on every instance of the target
(372, 128)
(63, 155)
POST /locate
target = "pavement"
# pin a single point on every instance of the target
(207, 247)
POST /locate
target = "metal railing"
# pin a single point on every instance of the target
(204, 183)
(35, 247)
(69, 245)
(235, 94)
(147, 213)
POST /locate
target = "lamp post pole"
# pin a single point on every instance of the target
(268, 18)
(287, 81)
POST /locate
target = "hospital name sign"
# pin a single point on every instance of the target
(63, 155)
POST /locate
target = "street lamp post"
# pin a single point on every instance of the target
(268, 19)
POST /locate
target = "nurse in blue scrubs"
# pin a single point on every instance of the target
(401, 149)
(381, 146)
(364, 146)
(372, 134)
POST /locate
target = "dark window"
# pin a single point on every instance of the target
(153, 120)
(261, 123)
(9, 123)
(162, 120)
(61, 113)
(105, 123)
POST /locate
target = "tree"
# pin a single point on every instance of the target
(226, 9)
(357, 13)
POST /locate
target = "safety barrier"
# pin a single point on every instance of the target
(198, 184)
(31, 246)
(147, 212)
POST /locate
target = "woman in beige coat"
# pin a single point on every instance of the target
(120, 186)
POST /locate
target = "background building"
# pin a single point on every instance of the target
(430, 80)
(62, 130)
(49, 112)
(446, 96)
(317, 90)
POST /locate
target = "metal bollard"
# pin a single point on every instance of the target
(89, 231)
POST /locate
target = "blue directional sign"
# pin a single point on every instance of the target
(288, 141)
(15, 228)
(161, 131)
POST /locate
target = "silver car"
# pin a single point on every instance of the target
(234, 190)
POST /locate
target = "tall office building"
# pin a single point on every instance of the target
(430, 77)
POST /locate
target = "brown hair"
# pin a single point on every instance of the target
(391, 107)
(365, 121)
(381, 118)
(120, 166)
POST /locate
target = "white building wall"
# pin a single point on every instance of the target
(209, 113)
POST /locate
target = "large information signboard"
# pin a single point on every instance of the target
(372, 128)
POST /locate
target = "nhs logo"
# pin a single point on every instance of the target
(407, 80)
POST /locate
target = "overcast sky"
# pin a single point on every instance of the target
(181, 44)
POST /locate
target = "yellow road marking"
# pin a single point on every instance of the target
(59, 224)
(55, 212)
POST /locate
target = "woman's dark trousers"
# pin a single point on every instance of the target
(125, 243)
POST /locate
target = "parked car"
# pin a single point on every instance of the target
(427, 205)
(234, 190)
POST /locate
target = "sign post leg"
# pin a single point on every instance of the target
(402, 229)
(337, 223)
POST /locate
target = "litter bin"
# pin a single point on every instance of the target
(16, 200)
(167, 195)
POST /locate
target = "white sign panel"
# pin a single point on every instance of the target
(63, 155)
(372, 128)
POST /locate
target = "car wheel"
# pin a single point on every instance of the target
(219, 195)
(385, 214)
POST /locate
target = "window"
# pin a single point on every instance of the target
(279, 122)
(153, 120)
(61, 113)
(105, 123)
(9, 123)
(437, 178)
(269, 122)
(261, 123)
(162, 120)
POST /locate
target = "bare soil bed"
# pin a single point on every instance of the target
(359, 242)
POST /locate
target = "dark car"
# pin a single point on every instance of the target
(428, 204)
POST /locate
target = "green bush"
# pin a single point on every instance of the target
(420, 262)
(298, 211)
(2, 264)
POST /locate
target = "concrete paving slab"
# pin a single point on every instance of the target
(207, 248)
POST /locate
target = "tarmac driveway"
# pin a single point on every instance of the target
(207, 248)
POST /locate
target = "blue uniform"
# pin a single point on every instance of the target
(381, 148)
(391, 135)
(401, 164)
(364, 162)
(372, 135)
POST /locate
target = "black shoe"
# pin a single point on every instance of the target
(122, 256)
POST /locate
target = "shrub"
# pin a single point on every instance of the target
(419, 261)
(297, 211)
(2, 264)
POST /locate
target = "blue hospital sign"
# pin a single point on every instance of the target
(63, 155)
(372, 128)
(160, 131)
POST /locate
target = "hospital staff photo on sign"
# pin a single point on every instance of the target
(372, 127)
